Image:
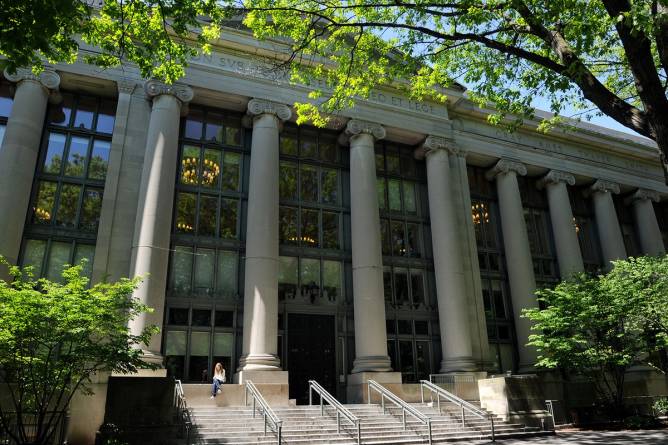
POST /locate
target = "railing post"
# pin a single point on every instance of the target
(359, 433)
(382, 401)
(253, 407)
(338, 422)
(422, 392)
(280, 428)
(265, 423)
(438, 402)
(491, 419)
(429, 429)
(310, 394)
(463, 415)
(322, 409)
(368, 393)
(403, 415)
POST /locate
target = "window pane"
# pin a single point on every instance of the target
(288, 181)
(288, 142)
(222, 352)
(106, 117)
(76, 158)
(328, 149)
(393, 163)
(214, 128)
(421, 327)
(387, 284)
(231, 172)
(330, 186)
(211, 168)
(54, 153)
(399, 248)
(287, 278)
(330, 230)
(422, 359)
(175, 351)
(204, 266)
(59, 255)
(310, 279)
(380, 162)
(406, 356)
(99, 160)
(287, 227)
(199, 357)
(390, 327)
(60, 114)
(2, 134)
(409, 197)
(394, 194)
(309, 235)
(401, 286)
(228, 217)
(194, 124)
(5, 100)
(90, 211)
(185, 213)
(499, 306)
(233, 131)
(308, 148)
(43, 209)
(67, 205)
(87, 252)
(208, 206)
(33, 255)
(380, 189)
(385, 237)
(85, 112)
(413, 241)
(309, 183)
(178, 316)
(224, 319)
(201, 317)
(331, 280)
(181, 269)
(417, 287)
(190, 165)
(227, 273)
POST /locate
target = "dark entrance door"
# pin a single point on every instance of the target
(311, 354)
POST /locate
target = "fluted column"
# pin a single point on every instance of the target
(518, 253)
(150, 247)
(261, 273)
(369, 301)
(647, 227)
(457, 351)
(566, 242)
(18, 155)
(609, 232)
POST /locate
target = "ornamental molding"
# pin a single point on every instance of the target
(355, 127)
(257, 107)
(126, 86)
(49, 79)
(434, 143)
(603, 186)
(505, 166)
(643, 195)
(555, 177)
(155, 88)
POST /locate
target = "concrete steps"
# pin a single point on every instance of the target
(304, 425)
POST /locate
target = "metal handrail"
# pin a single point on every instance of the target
(340, 409)
(405, 407)
(182, 408)
(463, 404)
(263, 407)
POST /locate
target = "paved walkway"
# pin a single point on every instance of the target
(652, 437)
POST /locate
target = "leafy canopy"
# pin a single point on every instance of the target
(55, 336)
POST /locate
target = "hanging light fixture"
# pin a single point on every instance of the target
(480, 213)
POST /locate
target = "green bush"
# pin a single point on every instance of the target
(660, 406)
(641, 422)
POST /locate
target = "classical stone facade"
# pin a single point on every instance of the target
(402, 241)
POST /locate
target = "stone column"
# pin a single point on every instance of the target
(261, 274)
(453, 316)
(518, 253)
(609, 232)
(18, 155)
(151, 241)
(566, 242)
(647, 227)
(369, 302)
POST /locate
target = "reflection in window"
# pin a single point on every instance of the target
(288, 181)
(309, 227)
(185, 213)
(287, 278)
(59, 256)
(199, 357)
(175, 353)
(310, 279)
(309, 183)
(227, 273)
(401, 296)
(287, 225)
(331, 280)
(67, 205)
(204, 270)
(208, 208)
(330, 230)
(76, 157)
(330, 186)
(6, 100)
(44, 204)
(54, 153)
(181, 269)
(90, 210)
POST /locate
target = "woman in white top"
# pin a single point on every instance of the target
(218, 379)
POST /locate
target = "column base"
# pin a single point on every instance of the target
(357, 384)
(372, 363)
(458, 364)
(259, 362)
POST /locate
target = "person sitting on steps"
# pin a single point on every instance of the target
(218, 379)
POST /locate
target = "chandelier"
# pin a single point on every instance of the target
(190, 171)
(479, 213)
(184, 227)
(303, 239)
(42, 214)
(576, 225)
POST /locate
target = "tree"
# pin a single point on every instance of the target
(609, 53)
(53, 338)
(600, 326)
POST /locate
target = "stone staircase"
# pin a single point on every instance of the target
(305, 425)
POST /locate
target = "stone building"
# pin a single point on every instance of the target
(401, 242)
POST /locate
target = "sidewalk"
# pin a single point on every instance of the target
(650, 437)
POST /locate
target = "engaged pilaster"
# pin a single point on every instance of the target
(150, 247)
(609, 232)
(261, 273)
(457, 350)
(566, 242)
(647, 227)
(518, 253)
(18, 155)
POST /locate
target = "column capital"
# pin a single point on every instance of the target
(155, 88)
(356, 127)
(642, 195)
(257, 107)
(601, 185)
(555, 177)
(504, 166)
(49, 79)
(434, 143)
